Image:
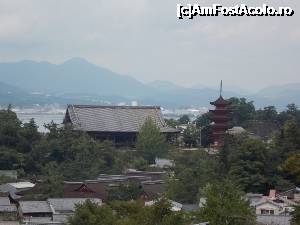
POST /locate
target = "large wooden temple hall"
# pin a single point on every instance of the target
(119, 124)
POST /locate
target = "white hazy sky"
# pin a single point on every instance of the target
(144, 39)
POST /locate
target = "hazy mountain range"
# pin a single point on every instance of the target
(77, 81)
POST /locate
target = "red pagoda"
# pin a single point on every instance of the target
(220, 117)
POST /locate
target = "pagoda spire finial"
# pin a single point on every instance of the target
(221, 88)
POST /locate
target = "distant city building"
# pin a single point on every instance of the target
(119, 124)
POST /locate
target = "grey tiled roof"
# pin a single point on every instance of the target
(68, 204)
(35, 207)
(8, 208)
(4, 201)
(114, 118)
(9, 223)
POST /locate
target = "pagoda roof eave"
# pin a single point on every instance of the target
(220, 101)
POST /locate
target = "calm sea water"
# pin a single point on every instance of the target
(41, 118)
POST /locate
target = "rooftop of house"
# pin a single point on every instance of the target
(114, 178)
(266, 201)
(22, 185)
(290, 192)
(114, 119)
(28, 207)
(236, 130)
(69, 204)
(190, 207)
(4, 201)
(9, 223)
(8, 208)
(7, 188)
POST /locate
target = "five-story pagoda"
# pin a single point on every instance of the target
(220, 117)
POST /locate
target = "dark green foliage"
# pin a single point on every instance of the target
(92, 214)
(203, 124)
(76, 155)
(246, 161)
(139, 163)
(10, 159)
(192, 171)
(292, 166)
(252, 165)
(296, 216)
(269, 113)
(203, 120)
(127, 213)
(150, 142)
(5, 179)
(172, 123)
(52, 186)
(225, 205)
(190, 136)
(241, 111)
(184, 119)
(125, 192)
(288, 141)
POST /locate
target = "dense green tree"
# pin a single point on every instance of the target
(184, 119)
(225, 205)
(296, 216)
(248, 164)
(192, 171)
(10, 159)
(172, 123)
(269, 113)
(190, 136)
(161, 214)
(242, 111)
(292, 166)
(5, 179)
(91, 213)
(291, 113)
(30, 132)
(184, 186)
(288, 141)
(52, 185)
(150, 142)
(203, 123)
(291, 134)
(203, 120)
(139, 163)
(245, 161)
(125, 192)
(10, 127)
(127, 213)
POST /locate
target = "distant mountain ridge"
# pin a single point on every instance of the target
(78, 81)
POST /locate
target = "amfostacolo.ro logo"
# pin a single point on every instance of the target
(192, 10)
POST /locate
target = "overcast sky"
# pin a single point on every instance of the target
(144, 39)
